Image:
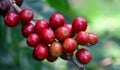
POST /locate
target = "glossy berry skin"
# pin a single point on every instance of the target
(82, 38)
(40, 26)
(69, 45)
(62, 33)
(67, 56)
(79, 24)
(19, 2)
(11, 19)
(51, 58)
(56, 21)
(40, 52)
(47, 36)
(33, 40)
(26, 15)
(93, 39)
(56, 49)
(28, 29)
(83, 56)
(69, 26)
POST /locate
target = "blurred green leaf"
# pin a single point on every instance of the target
(61, 6)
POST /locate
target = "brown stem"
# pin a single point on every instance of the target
(80, 66)
(18, 9)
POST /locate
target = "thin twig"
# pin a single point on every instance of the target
(80, 66)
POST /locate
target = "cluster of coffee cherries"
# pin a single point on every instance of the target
(54, 38)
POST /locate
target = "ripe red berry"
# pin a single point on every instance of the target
(40, 25)
(26, 15)
(40, 52)
(11, 19)
(56, 49)
(82, 38)
(67, 56)
(69, 26)
(27, 29)
(56, 20)
(93, 39)
(83, 56)
(33, 40)
(79, 24)
(51, 58)
(62, 33)
(47, 36)
(69, 45)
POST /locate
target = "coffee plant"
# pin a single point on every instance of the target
(53, 38)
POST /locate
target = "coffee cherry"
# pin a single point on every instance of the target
(93, 39)
(56, 20)
(51, 58)
(40, 52)
(11, 19)
(19, 2)
(62, 33)
(69, 45)
(79, 24)
(67, 56)
(56, 49)
(27, 29)
(47, 36)
(82, 38)
(83, 56)
(69, 26)
(40, 26)
(33, 40)
(26, 15)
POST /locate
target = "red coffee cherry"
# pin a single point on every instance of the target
(56, 49)
(27, 29)
(79, 24)
(11, 19)
(33, 40)
(69, 45)
(40, 26)
(93, 39)
(51, 58)
(62, 33)
(56, 21)
(83, 56)
(47, 36)
(67, 56)
(69, 26)
(26, 15)
(40, 52)
(82, 38)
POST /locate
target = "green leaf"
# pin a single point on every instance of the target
(61, 6)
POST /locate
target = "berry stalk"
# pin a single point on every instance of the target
(80, 66)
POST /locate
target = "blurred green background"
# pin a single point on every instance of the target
(103, 19)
